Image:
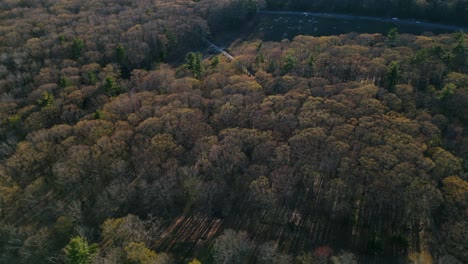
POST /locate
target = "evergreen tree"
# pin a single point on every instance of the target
(110, 86)
(65, 82)
(77, 48)
(46, 99)
(78, 251)
(289, 63)
(392, 37)
(393, 75)
(120, 53)
(194, 64)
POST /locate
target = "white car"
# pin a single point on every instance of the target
(394, 18)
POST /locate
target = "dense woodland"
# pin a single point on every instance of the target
(448, 11)
(119, 143)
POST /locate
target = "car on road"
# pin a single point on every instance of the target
(394, 18)
(418, 22)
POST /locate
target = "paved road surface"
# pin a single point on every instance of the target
(220, 50)
(378, 19)
(227, 55)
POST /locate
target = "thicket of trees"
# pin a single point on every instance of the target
(133, 34)
(451, 11)
(338, 149)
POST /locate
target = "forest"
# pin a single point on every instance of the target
(122, 142)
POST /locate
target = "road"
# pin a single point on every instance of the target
(227, 55)
(219, 50)
(377, 19)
